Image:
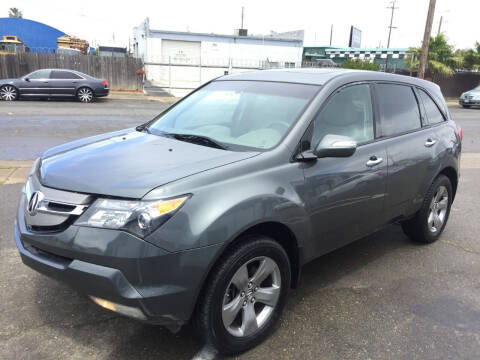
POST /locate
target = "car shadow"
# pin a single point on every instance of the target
(62, 100)
(76, 317)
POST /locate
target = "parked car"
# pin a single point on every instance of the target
(470, 98)
(209, 211)
(54, 83)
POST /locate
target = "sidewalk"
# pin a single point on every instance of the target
(16, 171)
(139, 96)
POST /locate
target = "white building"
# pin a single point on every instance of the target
(181, 61)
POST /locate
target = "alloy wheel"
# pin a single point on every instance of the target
(251, 296)
(85, 95)
(438, 210)
(8, 93)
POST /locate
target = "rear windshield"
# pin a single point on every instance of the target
(238, 114)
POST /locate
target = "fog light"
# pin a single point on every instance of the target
(118, 308)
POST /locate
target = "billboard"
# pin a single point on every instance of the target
(355, 37)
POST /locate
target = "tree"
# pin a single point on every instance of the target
(360, 64)
(441, 59)
(469, 59)
(15, 13)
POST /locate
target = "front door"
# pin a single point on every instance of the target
(345, 196)
(36, 83)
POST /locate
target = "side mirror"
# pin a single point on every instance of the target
(26, 79)
(335, 146)
(330, 146)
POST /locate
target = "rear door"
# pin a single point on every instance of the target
(63, 83)
(36, 83)
(345, 196)
(410, 147)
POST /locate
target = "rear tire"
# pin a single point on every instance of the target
(429, 222)
(8, 93)
(244, 295)
(85, 94)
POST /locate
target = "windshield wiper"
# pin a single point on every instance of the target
(143, 127)
(197, 139)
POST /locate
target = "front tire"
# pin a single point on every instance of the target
(8, 93)
(466, 106)
(244, 295)
(430, 221)
(85, 95)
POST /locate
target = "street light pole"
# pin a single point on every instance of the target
(426, 39)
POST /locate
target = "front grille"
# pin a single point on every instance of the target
(52, 228)
(48, 210)
(59, 207)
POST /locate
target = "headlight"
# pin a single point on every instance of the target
(138, 217)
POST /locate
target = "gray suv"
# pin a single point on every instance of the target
(209, 211)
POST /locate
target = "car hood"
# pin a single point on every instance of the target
(472, 92)
(128, 164)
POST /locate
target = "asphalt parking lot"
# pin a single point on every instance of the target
(382, 297)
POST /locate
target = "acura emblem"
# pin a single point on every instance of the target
(34, 202)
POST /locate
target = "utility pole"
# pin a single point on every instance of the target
(426, 39)
(241, 27)
(440, 25)
(390, 30)
(331, 33)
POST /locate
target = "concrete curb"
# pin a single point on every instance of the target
(138, 96)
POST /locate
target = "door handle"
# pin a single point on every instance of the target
(374, 161)
(430, 142)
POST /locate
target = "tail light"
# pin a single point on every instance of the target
(460, 133)
(105, 83)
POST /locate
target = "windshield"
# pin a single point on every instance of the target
(238, 114)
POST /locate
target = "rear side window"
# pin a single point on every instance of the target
(434, 115)
(63, 75)
(399, 112)
(347, 113)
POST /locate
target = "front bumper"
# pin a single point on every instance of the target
(119, 267)
(469, 102)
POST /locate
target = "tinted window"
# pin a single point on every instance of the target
(347, 113)
(399, 111)
(63, 75)
(434, 115)
(40, 74)
(238, 113)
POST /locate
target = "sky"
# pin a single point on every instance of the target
(109, 21)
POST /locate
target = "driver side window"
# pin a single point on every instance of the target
(40, 74)
(349, 113)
